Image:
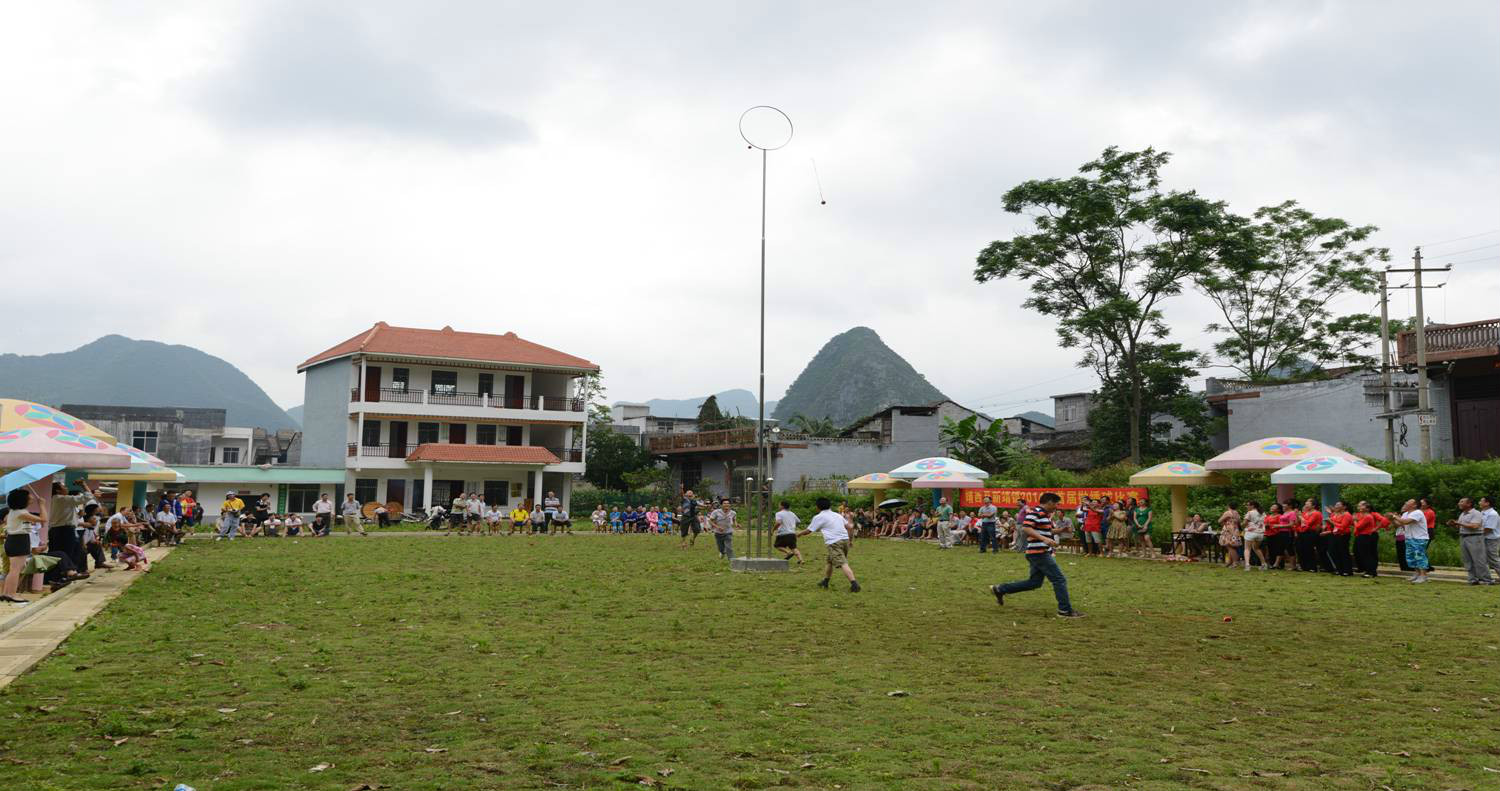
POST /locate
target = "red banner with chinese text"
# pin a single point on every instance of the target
(1071, 497)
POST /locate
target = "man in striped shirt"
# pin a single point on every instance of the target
(1036, 527)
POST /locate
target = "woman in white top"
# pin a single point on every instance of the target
(1255, 533)
(18, 528)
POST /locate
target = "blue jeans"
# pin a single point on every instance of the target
(725, 544)
(987, 537)
(1043, 566)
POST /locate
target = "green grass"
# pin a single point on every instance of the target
(592, 662)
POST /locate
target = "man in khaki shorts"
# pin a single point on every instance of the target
(835, 532)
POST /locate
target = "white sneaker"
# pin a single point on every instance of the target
(1419, 580)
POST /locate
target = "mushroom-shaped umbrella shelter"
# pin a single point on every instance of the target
(143, 467)
(16, 414)
(1273, 453)
(23, 446)
(1179, 475)
(1328, 472)
(921, 467)
(877, 481)
(947, 479)
(931, 464)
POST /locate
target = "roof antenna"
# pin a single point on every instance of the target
(819, 181)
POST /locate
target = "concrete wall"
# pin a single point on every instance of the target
(1335, 412)
(183, 434)
(325, 414)
(1081, 403)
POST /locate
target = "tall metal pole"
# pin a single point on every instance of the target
(1423, 405)
(1385, 368)
(760, 423)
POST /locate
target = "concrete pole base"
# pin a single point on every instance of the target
(758, 564)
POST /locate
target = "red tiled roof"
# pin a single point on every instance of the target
(451, 344)
(492, 454)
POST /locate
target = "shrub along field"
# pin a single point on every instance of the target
(622, 661)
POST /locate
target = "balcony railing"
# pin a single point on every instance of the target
(728, 438)
(389, 451)
(546, 403)
(1453, 341)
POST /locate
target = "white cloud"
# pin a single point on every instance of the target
(265, 181)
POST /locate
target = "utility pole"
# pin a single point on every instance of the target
(1385, 368)
(1424, 401)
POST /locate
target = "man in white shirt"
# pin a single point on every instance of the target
(1414, 522)
(322, 515)
(476, 513)
(562, 521)
(1470, 524)
(835, 532)
(1491, 535)
(786, 532)
(550, 507)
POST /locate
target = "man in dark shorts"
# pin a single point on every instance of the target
(1036, 532)
(786, 532)
(689, 519)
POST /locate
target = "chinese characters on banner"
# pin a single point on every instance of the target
(1010, 498)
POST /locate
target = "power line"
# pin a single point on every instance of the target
(1472, 249)
(1474, 260)
(1460, 239)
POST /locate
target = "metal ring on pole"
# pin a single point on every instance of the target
(771, 128)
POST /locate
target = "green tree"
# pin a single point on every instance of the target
(591, 390)
(990, 448)
(711, 418)
(1274, 285)
(1109, 246)
(813, 426)
(1169, 404)
(610, 456)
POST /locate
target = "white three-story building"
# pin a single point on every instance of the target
(417, 416)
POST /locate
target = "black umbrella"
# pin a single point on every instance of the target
(894, 502)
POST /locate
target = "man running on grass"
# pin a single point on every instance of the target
(1036, 526)
(835, 532)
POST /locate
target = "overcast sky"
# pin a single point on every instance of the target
(263, 180)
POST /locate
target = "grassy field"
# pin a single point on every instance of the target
(611, 662)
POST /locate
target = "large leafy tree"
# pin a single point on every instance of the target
(1273, 286)
(1108, 247)
(990, 448)
(711, 418)
(611, 455)
(1176, 423)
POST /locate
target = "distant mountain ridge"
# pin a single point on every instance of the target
(854, 375)
(738, 401)
(295, 413)
(121, 371)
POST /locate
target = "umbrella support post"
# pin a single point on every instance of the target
(1328, 493)
(125, 495)
(1285, 491)
(1179, 508)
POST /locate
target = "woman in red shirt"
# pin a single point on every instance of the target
(1336, 532)
(1367, 527)
(1309, 525)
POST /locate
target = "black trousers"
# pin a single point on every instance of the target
(1277, 546)
(1307, 551)
(1326, 561)
(1367, 553)
(1401, 553)
(1337, 552)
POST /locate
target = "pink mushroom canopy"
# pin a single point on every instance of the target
(1273, 453)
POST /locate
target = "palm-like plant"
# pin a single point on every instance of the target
(990, 448)
(813, 426)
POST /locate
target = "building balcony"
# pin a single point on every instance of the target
(425, 403)
(1447, 342)
(374, 455)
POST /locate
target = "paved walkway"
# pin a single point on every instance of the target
(28, 634)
